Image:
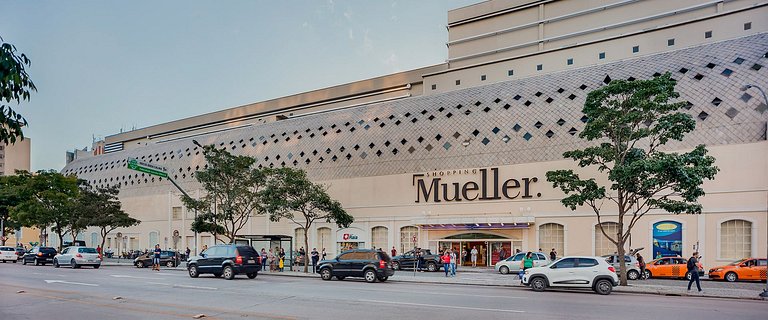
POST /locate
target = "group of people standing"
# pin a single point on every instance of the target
(449, 258)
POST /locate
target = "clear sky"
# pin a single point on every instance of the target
(103, 66)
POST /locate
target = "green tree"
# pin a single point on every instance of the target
(101, 208)
(15, 86)
(10, 197)
(49, 201)
(233, 193)
(290, 191)
(629, 122)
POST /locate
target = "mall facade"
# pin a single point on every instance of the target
(455, 154)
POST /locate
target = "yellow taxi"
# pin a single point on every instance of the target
(670, 267)
(744, 269)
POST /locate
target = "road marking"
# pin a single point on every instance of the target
(159, 283)
(440, 306)
(134, 277)
(76, 283)
(194, 287)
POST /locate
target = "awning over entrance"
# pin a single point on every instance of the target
(475, 223)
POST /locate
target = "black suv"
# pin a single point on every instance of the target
(227, 260)
(39, 255)
(410, 259)
(364, 263)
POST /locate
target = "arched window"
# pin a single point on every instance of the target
(153, 239)
(379, 238)
(735, 239)
(603, 245)
(406, 238)
(95, 239)
(299, 239)
(324, 239)
(552, 235)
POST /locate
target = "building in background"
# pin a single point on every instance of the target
(455, 154)
(17, 157)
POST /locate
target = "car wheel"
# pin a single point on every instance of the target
(538, 284)
(370, 276)
(96, 266)
(169, 264)
(647, 274)
(252, 275)
(56, 263)
(504, 270)
(731, 277)
(603, 287)
(432, 267)
(24, 261)
(325, 274)
(14, 261)
(193, 271)
(37, 262)
(382, 279)
(633, 275)
(228, 273)
(74, 264)
(396, 265)
(688, 276)
(140, 264)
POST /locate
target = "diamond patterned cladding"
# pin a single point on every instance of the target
(718, 126)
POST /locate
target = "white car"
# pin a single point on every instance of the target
(574, 272)
(512, 264)
(8, 254)
(77, 256)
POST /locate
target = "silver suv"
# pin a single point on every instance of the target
(512, 264)
(633, 267)
(574, 272)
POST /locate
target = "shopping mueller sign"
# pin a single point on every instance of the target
(490, 187)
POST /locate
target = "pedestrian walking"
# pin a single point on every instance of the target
(315, 258)
(420, 259)
(693, 269)
(552, 255)
(453, 263)
(322, 256)
(502, 254)
(156, 258)
(526, 264)
(446, 259)
(187, 252)
(641, 264)
(394, 252)
(474, 253)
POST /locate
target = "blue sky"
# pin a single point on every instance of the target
(100, 66)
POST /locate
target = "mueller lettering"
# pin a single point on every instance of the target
(490, 187)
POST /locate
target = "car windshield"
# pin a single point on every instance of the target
(86, 250)
(737, 262)
(48, 250)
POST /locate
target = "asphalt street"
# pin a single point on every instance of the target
(35, 292)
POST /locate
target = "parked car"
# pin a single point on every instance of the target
(39, 255)
(20, 252)
(512, 264)
(408, 260)
(370, 264)
(633, 267)
(744, 269)
(574, 272)
(227, 260)
(8, 254)
(167, 258)
(670, 267)
(77, 257)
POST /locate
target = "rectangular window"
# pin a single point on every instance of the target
(670, 42)
(601, 55)
(434, 86)
(635, 49)
(176, 213)
(569, 61)
(458, 82)
(748, 26)
(539, 67)
(510, 72)
(482, 78)
(708, 34)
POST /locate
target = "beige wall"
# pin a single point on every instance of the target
(15, 157)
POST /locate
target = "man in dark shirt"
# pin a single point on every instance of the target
(156, 258)
(315, 258)
(693, 269)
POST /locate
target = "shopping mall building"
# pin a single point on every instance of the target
(455, 154)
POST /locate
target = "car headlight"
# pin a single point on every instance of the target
(718, 269)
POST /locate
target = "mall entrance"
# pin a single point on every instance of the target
(490, 247)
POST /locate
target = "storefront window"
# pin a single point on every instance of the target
(408, 238)
(735, 239)
(603, 245)
(552, 235)
(379, 238)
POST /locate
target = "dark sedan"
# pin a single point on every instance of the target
(370, 264)
(39, 255)
(167, 258)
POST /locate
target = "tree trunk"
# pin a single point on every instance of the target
(306, 246)
(622, 264)
(61, 240)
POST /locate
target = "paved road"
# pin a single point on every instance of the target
(89, 294)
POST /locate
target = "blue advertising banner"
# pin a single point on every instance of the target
(667, 239)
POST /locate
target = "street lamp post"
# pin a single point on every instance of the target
(746, 87)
